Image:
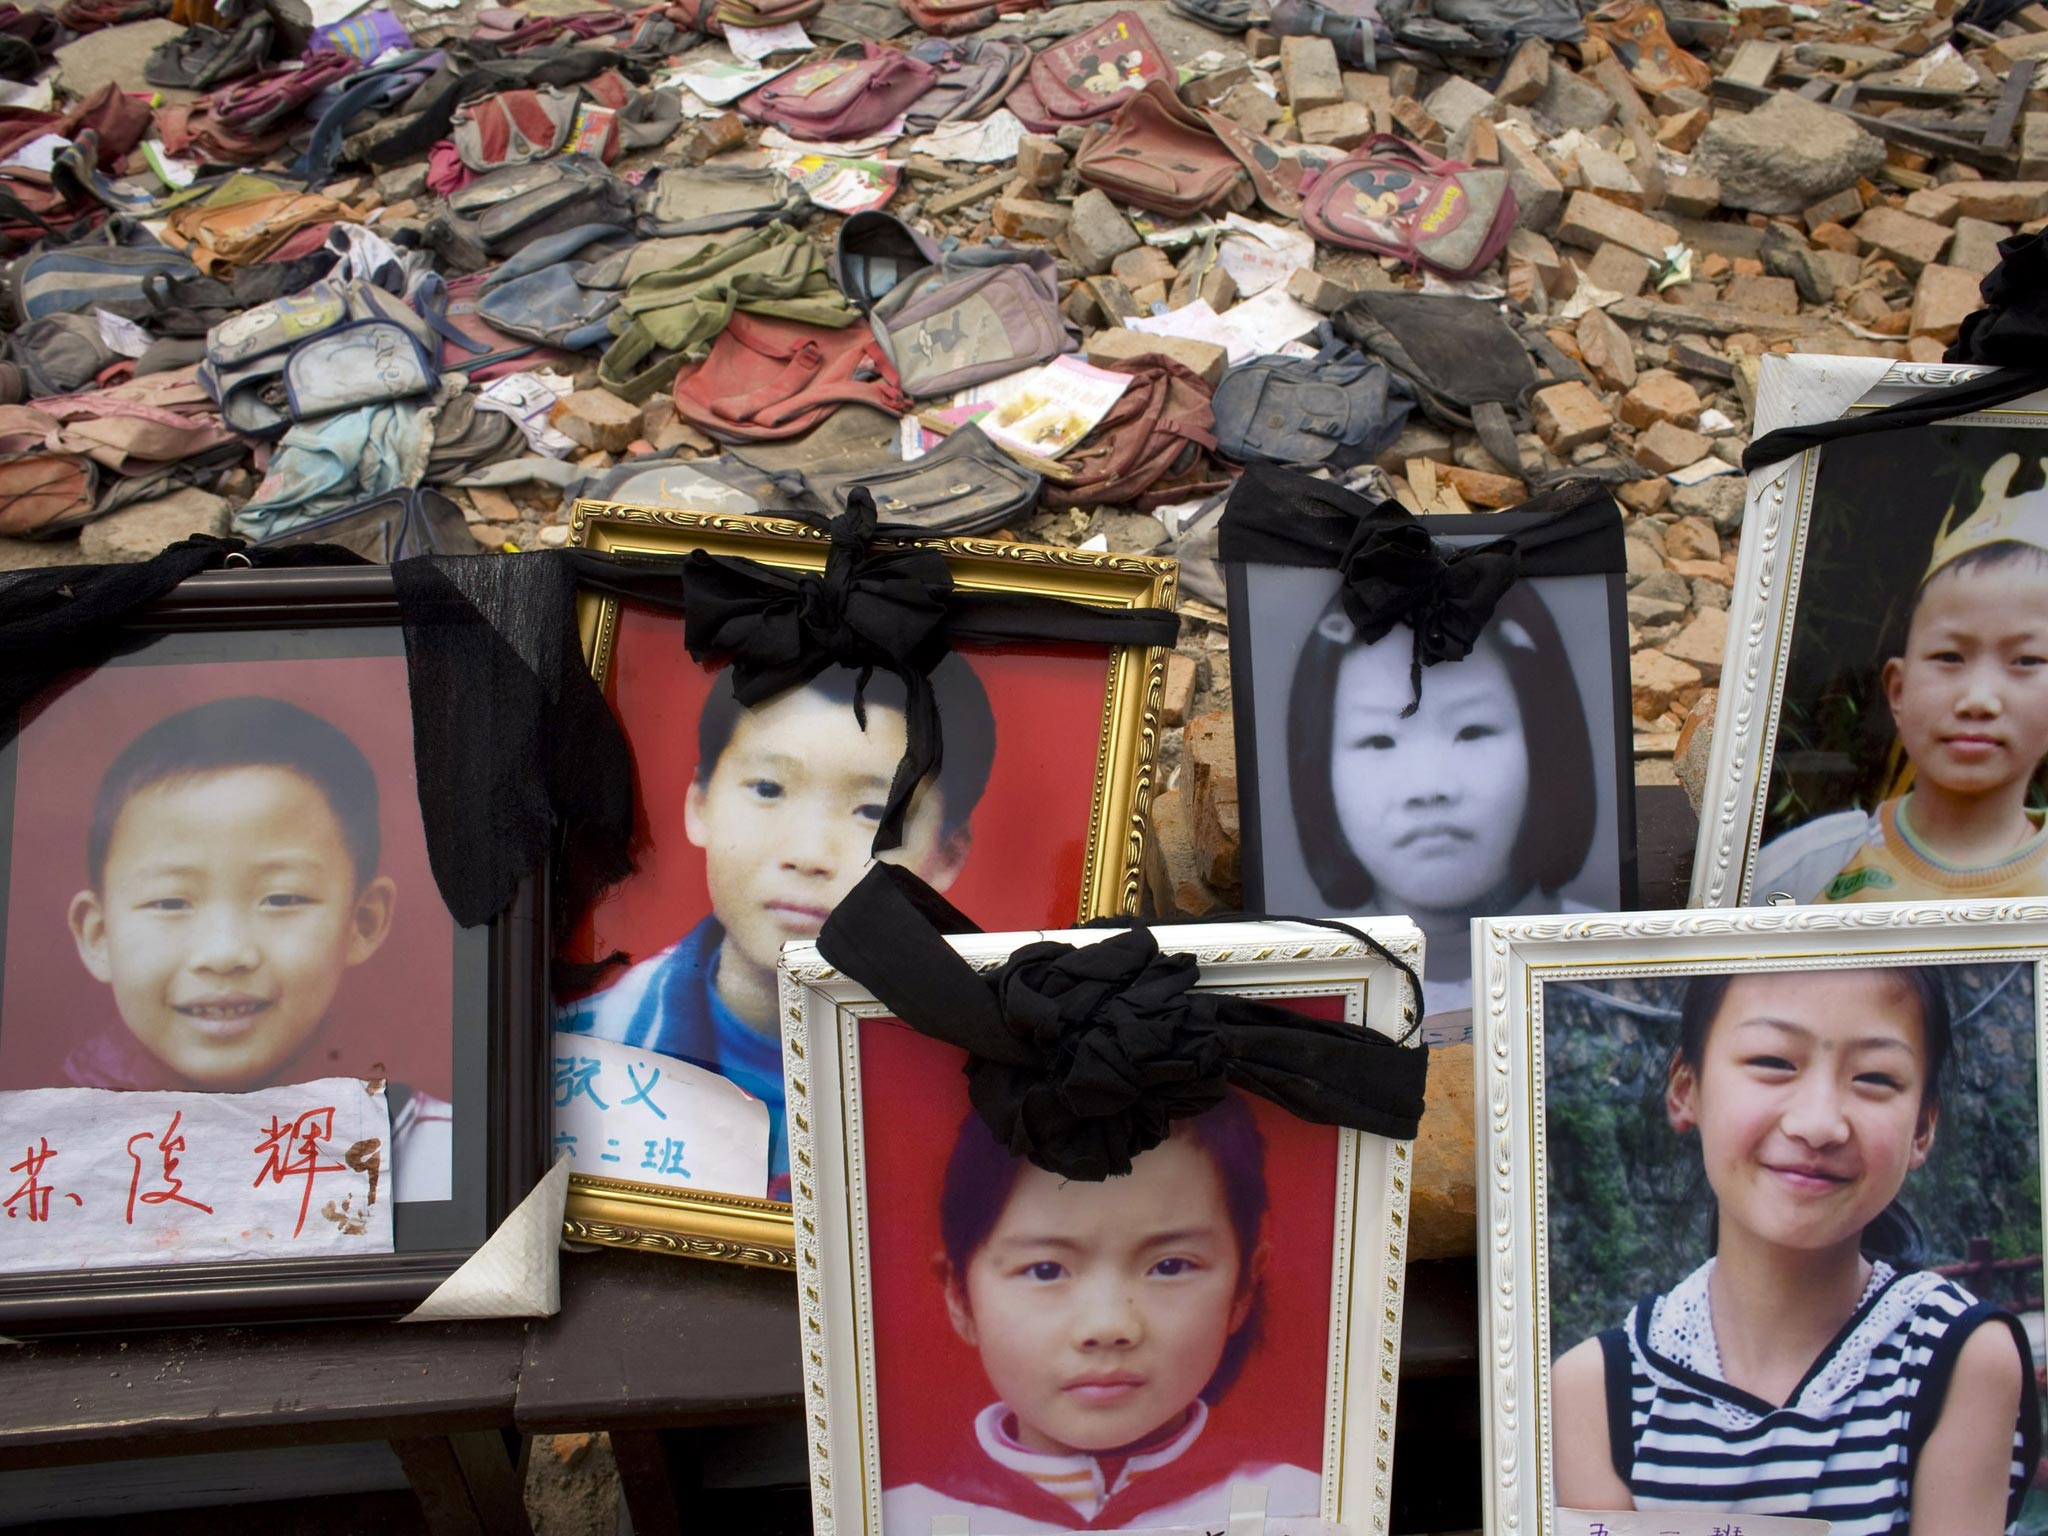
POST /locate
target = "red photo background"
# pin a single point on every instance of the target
(1030, 844)
(930, 1385)
(397, 1007)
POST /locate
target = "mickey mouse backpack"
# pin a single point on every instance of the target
(1393, 198)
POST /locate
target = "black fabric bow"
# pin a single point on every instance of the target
(872, 609)
(1395, 573)
(1080, 1058)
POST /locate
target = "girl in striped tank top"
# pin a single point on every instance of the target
(1807, 1368)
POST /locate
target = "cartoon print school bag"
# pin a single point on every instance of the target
(1393, 198)
(1088, 77)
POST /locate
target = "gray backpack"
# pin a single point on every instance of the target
(1339, 407)
(975, 315)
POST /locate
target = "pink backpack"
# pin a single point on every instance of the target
(1086, 78)
(1394, 199)
(862, 87)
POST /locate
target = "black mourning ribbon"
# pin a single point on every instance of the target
(1080, 1058)
(874, 608)
(1395, 573)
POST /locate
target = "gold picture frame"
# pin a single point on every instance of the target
(742, 1230)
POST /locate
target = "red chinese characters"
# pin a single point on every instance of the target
(293, 1149)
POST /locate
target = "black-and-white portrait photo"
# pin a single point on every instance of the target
(1489, 785)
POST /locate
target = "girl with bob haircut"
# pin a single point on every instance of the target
(1112, 1320)
(1427, 807)
(1809, 1366)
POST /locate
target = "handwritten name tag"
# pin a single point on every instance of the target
(97, 1179)
(1681, 1522)
(622, 1113)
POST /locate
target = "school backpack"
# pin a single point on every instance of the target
(504, 211)
(949, 18)
(767, 378)
(397, 525)
(972, 316)
(1158, 154)
(1339, 407)
(966, 485)
(1155, 433)
(94, 274)
(561, 291)
(271, 96)
(970, 81)
(862, 87)
(44, 493)
(1467, 369)
(1088, 77)
(1394, 198)
(703, 199)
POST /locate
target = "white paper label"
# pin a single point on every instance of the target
(624, 1113)
(122, 336)
(753, 44)
(99, 1179)
(39, 153)
(1680, 1522)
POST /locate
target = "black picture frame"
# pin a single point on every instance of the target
(501, 998)
(1602, 591)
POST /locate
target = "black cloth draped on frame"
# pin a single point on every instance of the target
(518, 755)
(1082, 1057)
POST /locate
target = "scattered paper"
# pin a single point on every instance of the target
(38, 95)
(518, 1270)
(1706, 469)
(173, 173)
(122, 336)
(776, 142)
(1256, 328)
(631, 1114)
(993, 138)
(753, 44)
(111, 1179)
(437, 5)
(721, 82)
(1260, 256)
(529, 399)
(593, 126)
(325, 13)
(1715, 423)
(39, 153)
(1045, 410)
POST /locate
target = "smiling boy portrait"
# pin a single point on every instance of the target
(234, 876)
(784, 802)
(1760, 1300)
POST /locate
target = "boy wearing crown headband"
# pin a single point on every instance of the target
(1969, 698)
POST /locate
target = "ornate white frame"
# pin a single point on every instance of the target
(821, 1013)
(1511, 960)
(1774, 530)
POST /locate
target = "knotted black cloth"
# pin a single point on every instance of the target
(1080, 1058)
(516, 753)
(878, 606)
(2009, 333)
(1395, 572)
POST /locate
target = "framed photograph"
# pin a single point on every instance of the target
(1884, 703)
(756, 821)
(1509, 788)
(249, 1065)
(1760, 1206)
(988, 1342)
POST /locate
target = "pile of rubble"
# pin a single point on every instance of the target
(1691, 188)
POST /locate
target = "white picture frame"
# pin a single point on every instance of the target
(1769, 683)
(1516, 961)
(837, 1238)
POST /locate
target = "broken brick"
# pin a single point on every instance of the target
(596, 419)
(1941, 300)
(1568, 415)
(1308, 65)
(1665, 448)
(1661, 395)
(1591, 222)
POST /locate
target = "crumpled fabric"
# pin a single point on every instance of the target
(1081, 1057)
(1395, 573)
(680, 310)
(222, 234)
(160, 418)
(322, 466)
